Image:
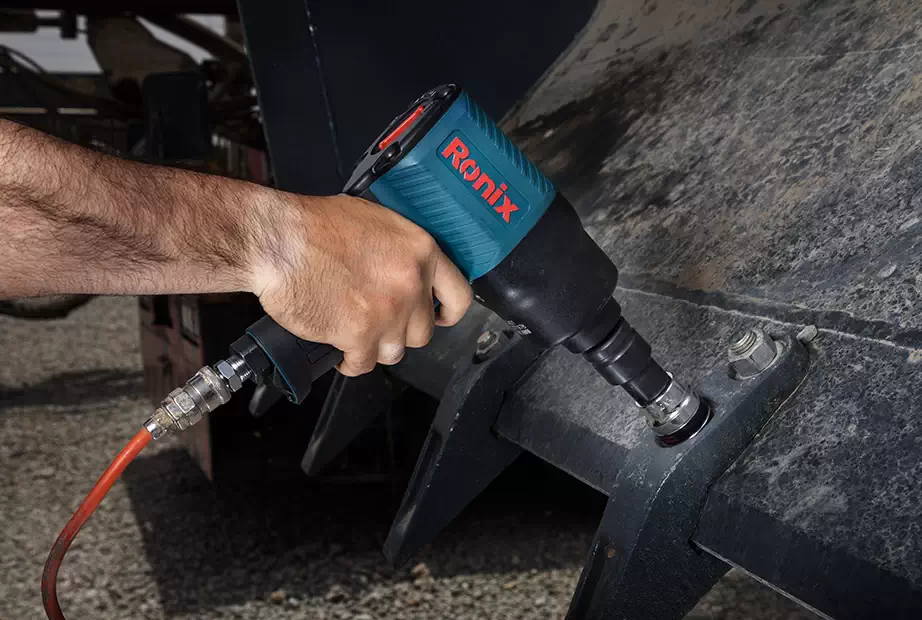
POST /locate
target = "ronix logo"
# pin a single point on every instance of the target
(481, 178)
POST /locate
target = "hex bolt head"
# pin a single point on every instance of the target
(750, 352)
(808, 334)
(227, 372)
(486, 342)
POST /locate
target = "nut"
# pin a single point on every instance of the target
(486, 343)
(751, 352)
(227, 372)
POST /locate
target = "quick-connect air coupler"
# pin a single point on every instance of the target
(207, 390)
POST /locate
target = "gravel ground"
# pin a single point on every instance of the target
(168, 544)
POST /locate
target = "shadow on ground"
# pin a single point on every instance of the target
(217, 545)
(73, 389)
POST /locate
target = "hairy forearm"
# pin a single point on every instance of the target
(336, 269)
(77, 221)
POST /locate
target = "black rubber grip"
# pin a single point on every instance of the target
(295, 363)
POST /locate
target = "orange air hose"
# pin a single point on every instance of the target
(67, 535)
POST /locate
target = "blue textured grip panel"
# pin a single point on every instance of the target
(469, 187)
(505, 146)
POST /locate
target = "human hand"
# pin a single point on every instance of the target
(353, 274)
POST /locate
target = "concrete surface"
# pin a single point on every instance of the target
(168, 544)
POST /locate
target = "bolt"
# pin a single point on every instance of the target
(750, 352)
(808, 334)
(742, 341)
(486, 343)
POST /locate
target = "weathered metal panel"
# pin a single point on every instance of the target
(765, 169)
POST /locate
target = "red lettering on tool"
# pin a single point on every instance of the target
(506, 208)
(457, 153)
(482, 180)
(473, 174)
(495, 195)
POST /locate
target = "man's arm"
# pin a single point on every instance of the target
(332, 269)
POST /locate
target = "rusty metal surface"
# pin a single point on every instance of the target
(751, 163)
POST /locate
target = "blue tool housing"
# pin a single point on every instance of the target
(467, 185)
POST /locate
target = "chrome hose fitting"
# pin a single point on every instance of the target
(234, 371)
(185, 406)
(671, 413)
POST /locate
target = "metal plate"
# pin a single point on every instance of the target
(750, 164)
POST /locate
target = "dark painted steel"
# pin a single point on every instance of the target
(737, 176)
(351, 405)
(461, 455)
(818, 575)
(376, 59)
(290, 98)
(642, 563)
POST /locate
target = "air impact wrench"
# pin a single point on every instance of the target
(446, 166)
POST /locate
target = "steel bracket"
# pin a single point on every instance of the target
(461, 454)
(350, 406)
(642, 562)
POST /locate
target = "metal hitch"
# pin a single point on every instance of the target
(643, 562)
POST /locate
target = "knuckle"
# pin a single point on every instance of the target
(391, 354)
(420, 337)
(361, 302)
(359, 329)
(357, 365)
(412, 285)
(347, 370)
(456, 312)
(465, 302)
(389, 305)
(405, 275)
(423, 244)
(359, 321)
(451, 319)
